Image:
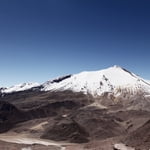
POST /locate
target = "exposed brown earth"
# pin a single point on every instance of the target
(140, 138)
(70, 118)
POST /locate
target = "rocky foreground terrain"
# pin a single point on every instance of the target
(35, 119)
(70, 120)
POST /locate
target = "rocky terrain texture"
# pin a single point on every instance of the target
(67, 119)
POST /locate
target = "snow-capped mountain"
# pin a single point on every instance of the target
(116, 80)
(19, 87)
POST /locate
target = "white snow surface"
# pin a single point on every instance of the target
(121, 146)
(113, 80)
(19, 87)
(26, 148)
(148, 81)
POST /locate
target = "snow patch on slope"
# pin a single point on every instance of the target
(121, 146)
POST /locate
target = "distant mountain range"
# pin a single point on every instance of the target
(115, 80)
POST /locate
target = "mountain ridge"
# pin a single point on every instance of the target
(96, 83)
(99, 82)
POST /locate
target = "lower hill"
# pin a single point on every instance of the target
(10, 115)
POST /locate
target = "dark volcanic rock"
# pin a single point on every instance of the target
(52, 109)
(85, 124)
(140, 138)
(9, 115)
(67, 130)
(60, 79)
(30, 99)
(98, 123)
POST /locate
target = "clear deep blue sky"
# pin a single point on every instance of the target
(43, 39)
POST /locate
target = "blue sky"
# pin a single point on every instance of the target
(43, 39)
